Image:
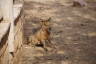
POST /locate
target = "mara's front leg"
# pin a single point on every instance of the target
(44, 45)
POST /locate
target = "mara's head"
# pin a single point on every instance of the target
(46, 24)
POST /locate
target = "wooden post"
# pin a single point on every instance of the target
(7, 12)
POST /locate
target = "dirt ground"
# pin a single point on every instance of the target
(73, 30)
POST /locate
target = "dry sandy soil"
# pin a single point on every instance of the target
(73, 30)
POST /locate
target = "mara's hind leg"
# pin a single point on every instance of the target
(32, 45)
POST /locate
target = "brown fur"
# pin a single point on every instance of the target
(42, 36)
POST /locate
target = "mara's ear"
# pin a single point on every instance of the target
(49, 19)
(41, 22)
